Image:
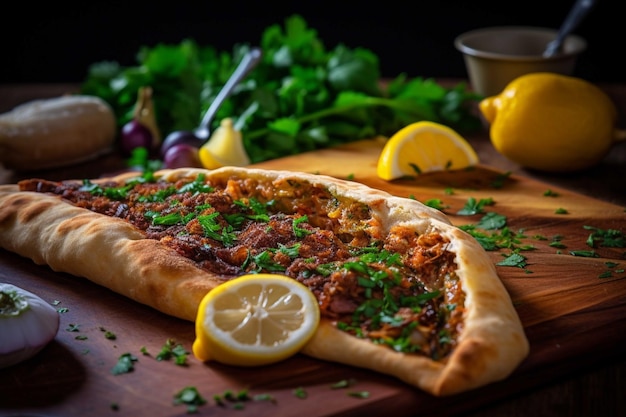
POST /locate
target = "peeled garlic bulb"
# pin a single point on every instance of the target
(27, 324)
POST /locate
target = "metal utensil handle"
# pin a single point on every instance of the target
(575, 16)
(248, 62)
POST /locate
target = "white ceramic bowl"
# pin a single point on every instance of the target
(496, 56)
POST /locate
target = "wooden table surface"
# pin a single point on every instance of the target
(584, 391)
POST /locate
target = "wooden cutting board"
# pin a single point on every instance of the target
(572, 308)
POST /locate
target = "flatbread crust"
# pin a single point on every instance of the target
(112, 253)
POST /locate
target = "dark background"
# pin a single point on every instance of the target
(55, 42)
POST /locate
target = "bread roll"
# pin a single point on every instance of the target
(54, 132)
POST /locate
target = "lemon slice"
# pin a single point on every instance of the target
(254, 320)
(424, 147)
(224, 148)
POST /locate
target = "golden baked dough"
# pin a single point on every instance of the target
(116, 255)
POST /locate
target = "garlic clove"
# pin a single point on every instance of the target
(27, 324)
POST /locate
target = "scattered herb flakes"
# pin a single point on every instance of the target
(492, 221)
(173, 350)
(107, 334)
(436, 203)
(81, 337)
(585, 253)
(500, 180)
(502, 239)
(473, 206)
(515, 259)
(62, 310)
(609, 238)
(72, 327)
(539, 237)
(190, 397)
(144, 351)
(264, 397)
(448, 191)
(300, 392)
(237, 400)
(359, 394)
(125, 364)
(612, 268)
(55, 302)
(350, 177)
(561, 210)
(557, 244)
(344, 383)
(550, 193)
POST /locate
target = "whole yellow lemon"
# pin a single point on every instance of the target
(552, 122)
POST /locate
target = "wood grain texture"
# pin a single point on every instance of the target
(575, 320)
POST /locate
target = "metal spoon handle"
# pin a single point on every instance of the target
(575, 16)
(248, 62)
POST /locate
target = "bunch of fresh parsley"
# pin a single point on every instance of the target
(300, 97)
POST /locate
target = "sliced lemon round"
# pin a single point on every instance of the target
(424, 147)
(255, 320)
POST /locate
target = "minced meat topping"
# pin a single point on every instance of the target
(397, 289)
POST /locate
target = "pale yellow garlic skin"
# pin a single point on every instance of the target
(24, 335)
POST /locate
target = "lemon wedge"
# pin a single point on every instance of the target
(424, 147)
(254, 320)
(224, 148)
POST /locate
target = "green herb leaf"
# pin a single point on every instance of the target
(515, 260)
(190, 397)
(302, 96)
(125, 364)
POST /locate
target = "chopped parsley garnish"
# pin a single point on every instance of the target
(170, 350)
(610, 238)
(436, 203)
(359, 394)
(492, 221)
(499, 181)
(585, 253)
(125, 364)
(504, 238)
(473, 206)
(190, 397)
(550, 193)
(213, 229)
(297, 230)
(72, 327)
(514, 259)
(344, 383)
(300, 393)
(198, 185)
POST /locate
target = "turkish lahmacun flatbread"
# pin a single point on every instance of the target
(401, 290)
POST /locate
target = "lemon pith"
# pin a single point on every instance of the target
(551, 122)
(255, 320)
(424, 147)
